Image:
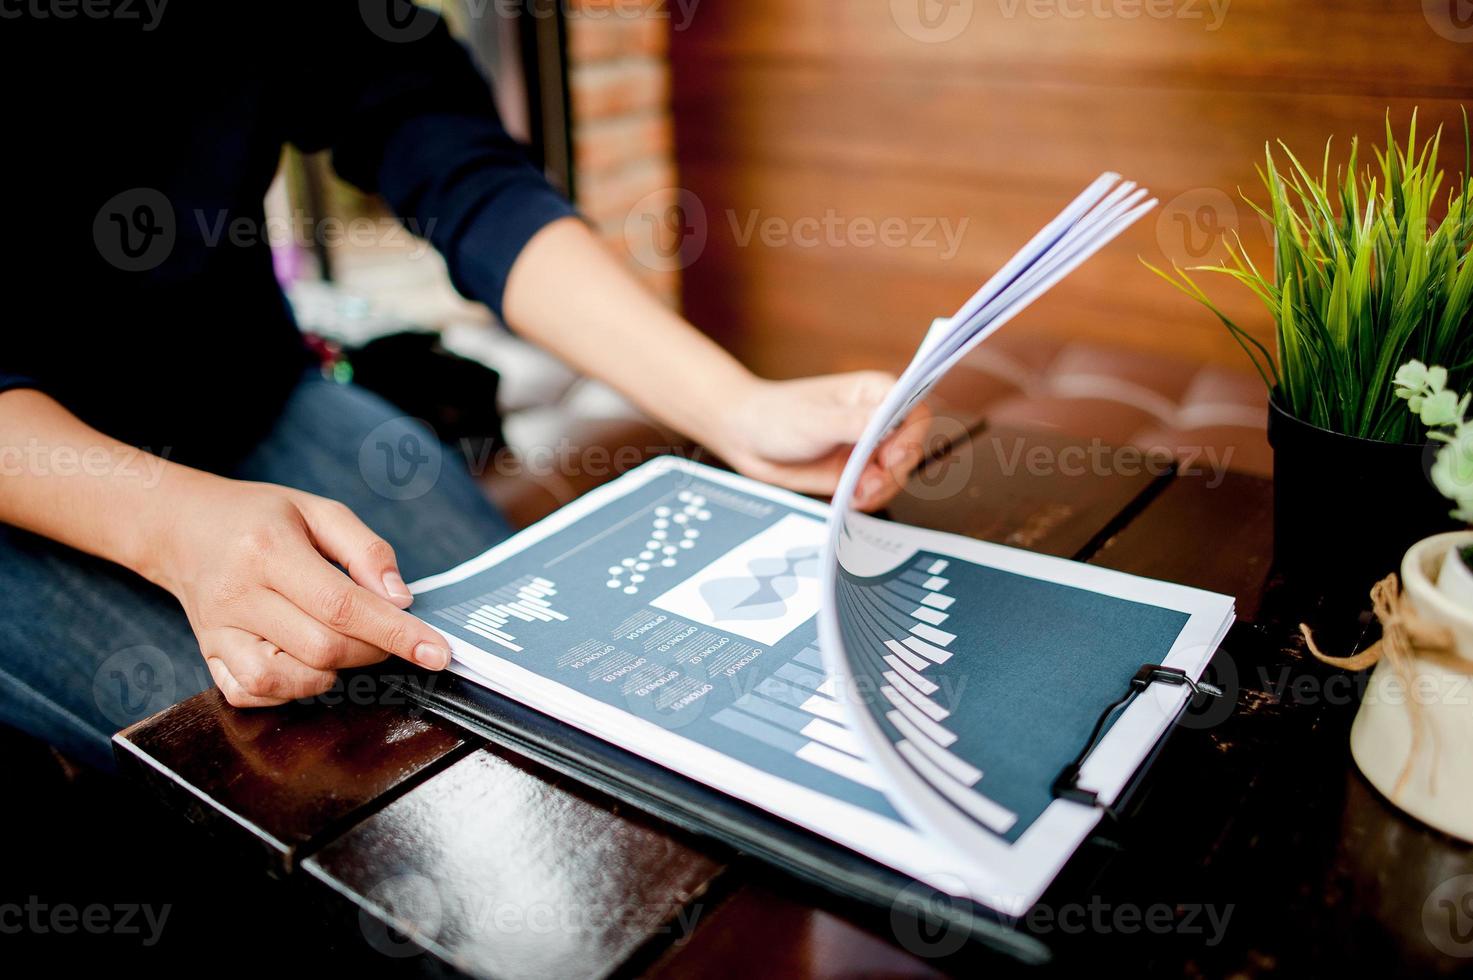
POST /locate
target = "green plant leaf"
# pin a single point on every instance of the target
(1363, 278)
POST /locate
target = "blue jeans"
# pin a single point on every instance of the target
(87, 647)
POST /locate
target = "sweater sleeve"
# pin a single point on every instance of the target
(9, 381)
(407, 115)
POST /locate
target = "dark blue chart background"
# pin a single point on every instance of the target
(1033, 665)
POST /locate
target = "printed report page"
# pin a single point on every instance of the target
(673, 612)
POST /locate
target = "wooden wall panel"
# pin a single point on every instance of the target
(1351, 43)
(789, 110)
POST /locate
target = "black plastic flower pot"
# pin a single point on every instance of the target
(1346, 508)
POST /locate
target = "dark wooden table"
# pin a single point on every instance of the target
(1254, 848)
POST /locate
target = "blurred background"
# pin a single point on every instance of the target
(995, 113)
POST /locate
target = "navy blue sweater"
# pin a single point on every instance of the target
(137, 262)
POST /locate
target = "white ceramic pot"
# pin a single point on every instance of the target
(1455, 578)
(1439, 790)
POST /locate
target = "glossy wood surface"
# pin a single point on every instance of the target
(283, 779)
(985, 487)
(511, 871)
(1253, 844)
(1212, 535)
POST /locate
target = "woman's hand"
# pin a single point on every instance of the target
(253, 566)
(797, 434)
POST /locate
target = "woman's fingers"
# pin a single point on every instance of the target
(234, 693)
(902, 450)
(336, 601)
(340, 535)
(890, 467)
(255, 673)
(893, 461)
(277, 619)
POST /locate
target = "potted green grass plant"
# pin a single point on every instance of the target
(1371, 269)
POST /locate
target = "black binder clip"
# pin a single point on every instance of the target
(1066, 785)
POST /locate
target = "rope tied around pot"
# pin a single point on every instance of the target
(1404, 638)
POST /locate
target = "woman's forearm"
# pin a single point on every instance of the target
(567, 294)
(281, 588)
(64, 480)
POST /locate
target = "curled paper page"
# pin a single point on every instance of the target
(903, 610)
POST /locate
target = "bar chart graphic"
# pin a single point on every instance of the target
(894, 628)
(796, 711)
(496, 615)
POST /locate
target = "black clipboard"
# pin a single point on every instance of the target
(708, 813)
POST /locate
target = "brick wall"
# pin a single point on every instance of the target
(623, 156)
